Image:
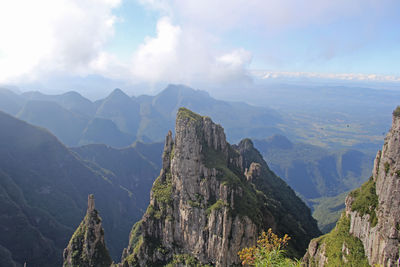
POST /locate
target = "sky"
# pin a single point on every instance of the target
(191, 41)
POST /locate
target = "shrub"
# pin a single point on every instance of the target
(268, 252)
(396, 112)
(387, 167)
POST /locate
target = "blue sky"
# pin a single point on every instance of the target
(185, 41)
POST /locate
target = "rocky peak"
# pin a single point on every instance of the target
(87, 247)
(372, 211)
(202, 206)
(253, 171)
(198, 132)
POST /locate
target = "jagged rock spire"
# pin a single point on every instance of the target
(87, 247)
(202, 208)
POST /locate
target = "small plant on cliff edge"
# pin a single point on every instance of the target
(268, 252)
(396, 112)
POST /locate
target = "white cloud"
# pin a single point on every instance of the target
(236, 59)
(270, 75)
(45, 36)
(42, 37)
(184, 55)
(157, 57)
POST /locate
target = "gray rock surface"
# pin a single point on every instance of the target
(198, 203)
(380, 240)
(87, 247)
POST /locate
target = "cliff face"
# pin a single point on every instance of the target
(211, 200)
(372, 211)
(87, 247)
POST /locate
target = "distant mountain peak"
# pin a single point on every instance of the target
(118, 93)
(280, 141)
(183, 90)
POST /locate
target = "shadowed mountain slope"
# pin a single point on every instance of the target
(42, 187)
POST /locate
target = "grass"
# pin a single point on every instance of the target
(162, 190)
(334, 242)
(186, 113)
(365, 201)
(216, 206)
(135, 233)
(396, 112)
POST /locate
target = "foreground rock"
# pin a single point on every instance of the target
(87, 247)
(368, 233)
(213, 199)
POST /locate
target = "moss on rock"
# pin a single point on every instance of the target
(365, 201)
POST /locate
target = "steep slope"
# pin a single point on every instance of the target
(104, 131)
(87, 247)
(313, 171)
(122, 110)
(42, 188)
(369, 230)
(133, 170)
(212, 199)
(71, 101)
(10, 102)
(66, 125)
(322, 177)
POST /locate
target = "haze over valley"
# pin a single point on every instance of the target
(199, 133)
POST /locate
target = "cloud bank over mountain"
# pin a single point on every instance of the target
(190, 41)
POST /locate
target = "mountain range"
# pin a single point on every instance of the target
(320, 176)
(44, 185)
(210, 200)
(118, 120)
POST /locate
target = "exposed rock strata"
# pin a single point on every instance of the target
(87, 247)
(377, 223)
(203, 205)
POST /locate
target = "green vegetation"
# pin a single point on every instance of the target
(186, 113)
(186, 260)
(162, 190)
(152, 212)
(216, 206)
(396, 112)
(269, 251)
(397, 173)
(249, 204)
(135, 233)
(320, 176)
(194, 204)
(339, 237)
(172, 154)
(327, 211)
(365, 201)
(81, 255)
(387, 167)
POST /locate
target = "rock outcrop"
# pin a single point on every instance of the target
(87, 247)
(212, 199)
(372, 213)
